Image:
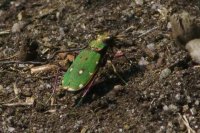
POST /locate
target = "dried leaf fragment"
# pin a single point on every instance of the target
(70, 57)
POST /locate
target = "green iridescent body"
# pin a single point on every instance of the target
(86, 64)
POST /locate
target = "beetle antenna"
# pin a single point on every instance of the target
(120, 36)
(115, 70)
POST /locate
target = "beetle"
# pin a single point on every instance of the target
(81, 74)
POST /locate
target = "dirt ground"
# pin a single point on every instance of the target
(162, 89)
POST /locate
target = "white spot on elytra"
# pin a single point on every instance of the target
(71, 69)
(80, 72)
(96, 62)
(91, 74)
(81, 85)
(70, 89)
(65, 87)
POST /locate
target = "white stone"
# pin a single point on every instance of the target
(193, 48)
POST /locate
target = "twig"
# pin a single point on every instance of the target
(17, 104)
(5, 32)
(147, 32)
(43, 68)
(22, 62)
(197, 66)
(63, 51)
(44, 78)
(186, 123)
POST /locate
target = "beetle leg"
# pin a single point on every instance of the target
(120, 54)
(114, 68)
(115, 71)
(87, 89)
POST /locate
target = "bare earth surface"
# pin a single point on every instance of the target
(162, 93)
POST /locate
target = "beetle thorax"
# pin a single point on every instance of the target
(97, 45)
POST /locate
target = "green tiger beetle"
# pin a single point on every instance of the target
(82, 72)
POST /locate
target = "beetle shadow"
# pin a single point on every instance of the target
(98, 90)
(105, 85)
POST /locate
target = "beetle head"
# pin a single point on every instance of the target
(104, 37)
(101, 42)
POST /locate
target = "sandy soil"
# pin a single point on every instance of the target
(163, 87)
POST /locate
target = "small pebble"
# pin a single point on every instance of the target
(8, 89)
(21, 65)
(1, 89)
(118, 87)
(120, 130)
(34, 128)
(11, 129)
(165, 73)
(196, 102)
(127, 127)
(62, 33)
(169, 25)
(143, 62)
(198, 85)
(185, 108)
(179, 83)
(191, 118)
(99, 130)
(178, 97)
(151, 46)
(40, 131)
(139, 2)
(20, 16)
(173, 108)
(161, 130)
(78, 124)
(189, 100)
(155, 6)
(2, 13)
(196, 126)
(17, 27)
(58, 15)
(165, 108)
(193, 111)
(48, 86)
